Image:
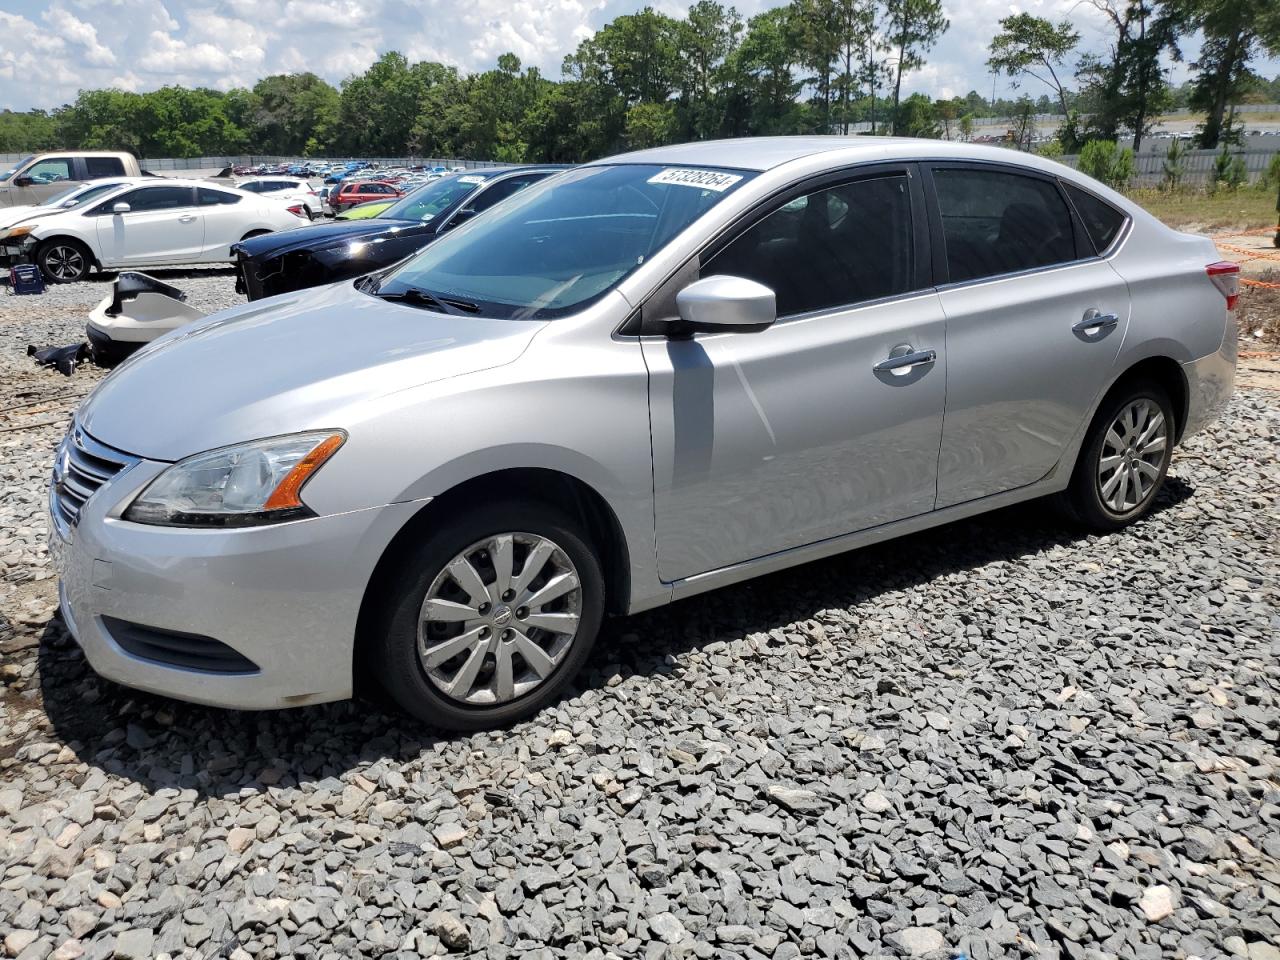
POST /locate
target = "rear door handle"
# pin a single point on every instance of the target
(186, 218)
(901, 363)
(1094, 322)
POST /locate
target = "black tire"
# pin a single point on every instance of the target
(63, 260)
(1084, 498)
(394, 641)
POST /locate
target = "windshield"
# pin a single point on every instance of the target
(431, 200)
(560, 245)
(14, 169)
(74, 196)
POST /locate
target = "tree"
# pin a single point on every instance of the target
(1128, 89)
(705, 43)
(914, 27)
(1104, 160)
(765, 62)
(285, 111)
(916, 118)
(818, 37)
(1235, 32)
(1034, 46)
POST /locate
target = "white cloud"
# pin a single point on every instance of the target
(48, 52)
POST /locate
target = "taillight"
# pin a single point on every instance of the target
(298, 210)
(1226, 277)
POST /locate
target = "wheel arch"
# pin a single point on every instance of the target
(550, 486)
(43, 243)
(1168, 373)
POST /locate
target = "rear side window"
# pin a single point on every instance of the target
(995, 222)
(209, 197)
(1102, 222)
(104, 167)
(500, 191)
(839, 246)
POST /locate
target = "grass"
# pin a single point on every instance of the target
(1248, 208)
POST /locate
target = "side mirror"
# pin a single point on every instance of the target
(724, 304)
(121, 207)
(23, 182)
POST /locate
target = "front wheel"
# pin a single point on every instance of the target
(1125, 457)
(492, 614)
(63, 261)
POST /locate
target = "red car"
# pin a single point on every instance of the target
(349, 194)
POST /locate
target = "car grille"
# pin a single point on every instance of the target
(82, 466)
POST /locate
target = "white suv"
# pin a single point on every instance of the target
(285, 188)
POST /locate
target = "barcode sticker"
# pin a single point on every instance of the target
(702, 179)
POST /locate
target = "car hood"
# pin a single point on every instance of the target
(12, 216)
(296, 362)
(320, 236)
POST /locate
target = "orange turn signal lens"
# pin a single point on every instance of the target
(286, 495)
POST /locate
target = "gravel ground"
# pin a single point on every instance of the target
(1000, 738)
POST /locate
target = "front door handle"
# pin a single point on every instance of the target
(186, 218)
(1094, 322)
(901, 363)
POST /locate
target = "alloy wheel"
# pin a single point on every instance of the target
(499, 619)
(1133, 451)
(65, 263)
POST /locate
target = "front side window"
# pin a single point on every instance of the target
(155, 198)
(1101, 220)
(50, 171)
(500, 191)
(104, 167)
(562, 244)
(995, 222)
(843, 245)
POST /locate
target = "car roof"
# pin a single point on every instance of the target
(766, 153)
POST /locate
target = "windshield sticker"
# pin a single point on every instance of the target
(471, 179)
(702, 179)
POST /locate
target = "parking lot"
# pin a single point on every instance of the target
(1000, 738)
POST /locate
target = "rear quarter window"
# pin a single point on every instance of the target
(104, 167)
(1102, 222)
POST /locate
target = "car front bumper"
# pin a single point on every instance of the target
(284, 597)
(1210, 382)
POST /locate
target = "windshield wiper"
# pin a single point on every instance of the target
(416, 297)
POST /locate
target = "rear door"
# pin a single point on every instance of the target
(163, 225)
(768, 441)
(1035, 320)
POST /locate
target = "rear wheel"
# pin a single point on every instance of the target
(1125, 457)
(63, 261)
(491, 616)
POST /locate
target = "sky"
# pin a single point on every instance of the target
(49, 50)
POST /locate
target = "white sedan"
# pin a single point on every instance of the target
(165, 223)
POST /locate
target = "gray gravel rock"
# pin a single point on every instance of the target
(1003, 737)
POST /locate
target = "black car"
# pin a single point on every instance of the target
(323, 253)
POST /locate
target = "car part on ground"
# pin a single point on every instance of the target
(139, 309)
(63, 359)
(340, 250)
(639, 380)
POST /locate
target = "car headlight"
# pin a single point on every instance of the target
(247, 485)
(13, 233)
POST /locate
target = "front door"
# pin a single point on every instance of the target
(163, 225)
(1034, 325)
(827, 422)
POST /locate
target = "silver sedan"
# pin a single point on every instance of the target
(644, 378)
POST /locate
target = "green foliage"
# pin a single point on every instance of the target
(1052, 149)
(1270, 179)
(1229, 171)
(914, 26)
(916, 117)
(1174, 165)
(1036, 47)
(1103, 160)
